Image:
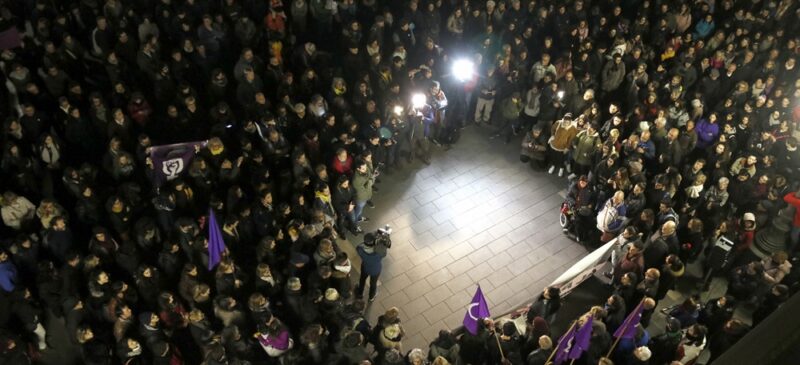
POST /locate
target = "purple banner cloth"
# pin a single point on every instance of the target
(564, 345)
(582, 339)
(170, 161)
(628, 328)
(476, 312)
(216, 245)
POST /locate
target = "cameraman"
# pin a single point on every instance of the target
(371, 265)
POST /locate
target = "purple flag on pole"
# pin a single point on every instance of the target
(628, 328)
(564, 345)
(216, 245)
(476, 312)
(582, 338)
(170, 161)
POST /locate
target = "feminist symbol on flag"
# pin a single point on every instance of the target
(172, 168)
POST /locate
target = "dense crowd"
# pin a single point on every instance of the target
(674, 119)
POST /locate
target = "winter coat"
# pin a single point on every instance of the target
(707, 133)
(534, 147)
(532, 103)
(15, 213)
(585, 146)
(691, 351)
(8, 276)
(561, 135)
(391, 336)
(362, 183)
(510, 110)
(612, 76)
(611, 217)
(449, 353)
(371, 261)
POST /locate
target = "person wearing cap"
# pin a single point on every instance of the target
(562, 133)
(371, 266)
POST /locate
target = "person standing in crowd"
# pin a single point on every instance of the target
(612, 217)
(561, 136)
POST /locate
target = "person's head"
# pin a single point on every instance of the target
(652, 274)
(619, 197)
(362, 167)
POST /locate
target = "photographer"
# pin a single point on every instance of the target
(372, 252)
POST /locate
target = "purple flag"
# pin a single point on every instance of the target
(628, 328)
(216, 245)
(170, 161)
(582, 338)
(564, 345)
(476, 312)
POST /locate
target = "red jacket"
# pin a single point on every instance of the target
(792, 199)
(343, 168)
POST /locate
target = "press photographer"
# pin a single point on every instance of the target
(372, 252)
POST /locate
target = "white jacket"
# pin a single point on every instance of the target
(691, 352)
(21, 209)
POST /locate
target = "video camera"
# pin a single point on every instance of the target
(381, 240)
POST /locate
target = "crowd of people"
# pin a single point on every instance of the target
(674, 119)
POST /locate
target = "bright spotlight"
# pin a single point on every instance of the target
(418, 100)
(560, 95)
(398, 109)
(463, 69)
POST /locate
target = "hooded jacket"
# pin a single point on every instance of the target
(562, 134)
(585, 146)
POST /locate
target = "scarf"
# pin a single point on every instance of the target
(325, 199)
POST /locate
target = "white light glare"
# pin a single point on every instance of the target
(463, 69)
(418, 100)
(398, 109)
(560, 94)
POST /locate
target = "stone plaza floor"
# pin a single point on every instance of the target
(475, 215)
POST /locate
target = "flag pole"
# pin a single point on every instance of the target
(559, 343)
(498, 345)
(624, 324)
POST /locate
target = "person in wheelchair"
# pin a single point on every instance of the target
(579, 223)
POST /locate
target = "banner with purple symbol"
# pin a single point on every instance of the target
(170, 161)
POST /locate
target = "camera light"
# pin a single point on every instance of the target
(560, 94)
(418, 100)
(463, 69)
(398, 109)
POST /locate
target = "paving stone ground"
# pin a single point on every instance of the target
(476, 215)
